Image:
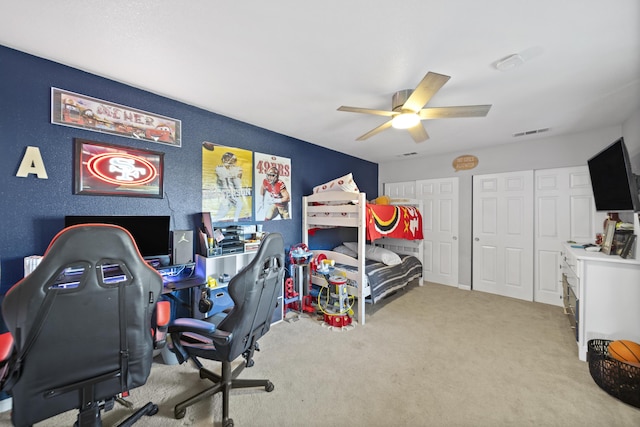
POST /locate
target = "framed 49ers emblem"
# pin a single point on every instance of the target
(111, 170)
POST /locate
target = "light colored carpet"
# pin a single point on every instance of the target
(427, 356)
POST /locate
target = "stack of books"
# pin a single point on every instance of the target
(251, 245)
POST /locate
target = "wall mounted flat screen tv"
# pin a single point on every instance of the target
(151, 233)
(615, 187)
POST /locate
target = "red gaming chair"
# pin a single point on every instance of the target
(83, 328)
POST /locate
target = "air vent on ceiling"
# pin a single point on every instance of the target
(531, 132)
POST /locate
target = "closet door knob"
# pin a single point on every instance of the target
(477, 239)
(455, 238)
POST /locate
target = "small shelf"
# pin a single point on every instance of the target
(229, 264)
(217, 266)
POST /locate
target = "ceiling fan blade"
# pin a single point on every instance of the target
(385, 125)
(367, 111)
(418, 133)
(430, 84)
(454, 112)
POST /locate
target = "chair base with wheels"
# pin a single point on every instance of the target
(150, 409)
(222, 384)
(90, 416)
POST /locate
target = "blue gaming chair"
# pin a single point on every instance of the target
(228, 335)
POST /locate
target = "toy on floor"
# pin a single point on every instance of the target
(291, 297)
(337, 312)
(297, 288)
(300, 254)
(325, 266)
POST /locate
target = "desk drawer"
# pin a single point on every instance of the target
(570, 300)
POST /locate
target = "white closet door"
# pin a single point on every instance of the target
(440, 227)
(503, 234)
(564, 211)
(398, 190)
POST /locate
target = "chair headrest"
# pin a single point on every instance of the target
(93, 242)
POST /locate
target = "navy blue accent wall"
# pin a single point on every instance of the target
(33, 209)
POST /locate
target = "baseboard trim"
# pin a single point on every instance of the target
(464, 287)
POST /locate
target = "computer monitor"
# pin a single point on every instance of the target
(614, 184)
(151, 233)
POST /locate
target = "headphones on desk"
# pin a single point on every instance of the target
(205, 304)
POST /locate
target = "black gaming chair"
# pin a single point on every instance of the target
(226, 336)
(82, 327)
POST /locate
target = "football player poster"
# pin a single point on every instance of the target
(272, 187)
(227, 178)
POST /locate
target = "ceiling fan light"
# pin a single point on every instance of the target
(405, 121)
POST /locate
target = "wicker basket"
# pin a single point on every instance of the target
(621, 380)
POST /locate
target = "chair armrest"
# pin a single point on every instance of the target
(6, 345)
(163, 313)
(200, 327)
(160, 322)
(187, 324)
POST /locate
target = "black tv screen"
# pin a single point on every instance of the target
(151, 233)
(614, 185)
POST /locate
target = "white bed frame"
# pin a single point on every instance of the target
(351, 208)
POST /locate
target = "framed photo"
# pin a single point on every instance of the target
(627, 249)
(84, 112)
(111, 170)
(609, 232)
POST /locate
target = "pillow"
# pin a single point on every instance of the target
(382, 200)
(344, 183)
(376, 253)
(342, 249)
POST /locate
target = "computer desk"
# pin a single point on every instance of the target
(179, 284)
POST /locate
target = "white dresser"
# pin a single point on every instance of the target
(601, 296)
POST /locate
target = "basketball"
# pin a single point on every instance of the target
(625, 351)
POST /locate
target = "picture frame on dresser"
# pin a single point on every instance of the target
(627, 249)
(609, 232)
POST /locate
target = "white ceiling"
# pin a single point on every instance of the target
(287, 65)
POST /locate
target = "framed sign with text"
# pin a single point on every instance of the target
(84, 112)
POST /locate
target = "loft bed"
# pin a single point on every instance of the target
(368, 280)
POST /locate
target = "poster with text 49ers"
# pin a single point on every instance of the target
(272, 187)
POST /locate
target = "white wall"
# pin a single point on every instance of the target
(522, 154)
(631, 133)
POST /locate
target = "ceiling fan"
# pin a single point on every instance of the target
(407, 110)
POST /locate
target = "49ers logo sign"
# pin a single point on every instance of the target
(105, 169)
(122, 169)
